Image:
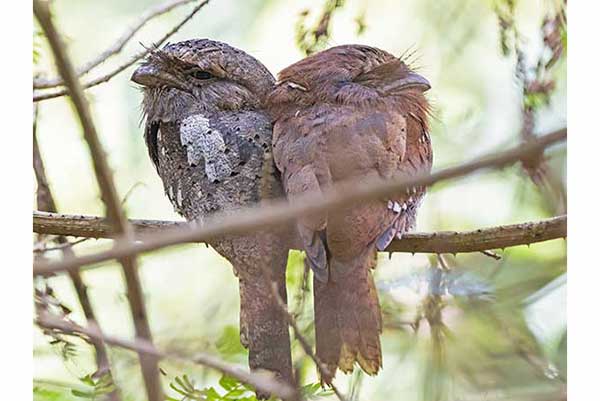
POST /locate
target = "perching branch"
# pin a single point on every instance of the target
(117, 46)
(480, 240)
(137, 57)
(340, 195)
(109, 194)
(259, 381)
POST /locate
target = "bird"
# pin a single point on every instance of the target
(350, 113)
(209, 138)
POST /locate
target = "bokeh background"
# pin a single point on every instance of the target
(502, 332)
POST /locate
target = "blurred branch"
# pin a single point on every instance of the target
(311, 40)
(321, 367)
(117, 46)
(481, 240)
(45, 201)
(105, 78)
(141, 346)
(278, 212)
(495, 256)
(61, 246)
(108, 191)
(537, 87)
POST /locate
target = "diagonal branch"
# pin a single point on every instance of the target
(306, 347)
(117, 46)
(137, 57)
(45, 201)
(109, 194)
(340, 195)
(480, 240)
(141, 346)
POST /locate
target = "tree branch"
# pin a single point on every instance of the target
(278, 212)
(259, 381)
(480, 240)
(45, 201)
(117, 46)
(137, 57)
(109, 194)
(306, 347)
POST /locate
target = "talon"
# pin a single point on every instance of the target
(396, 207)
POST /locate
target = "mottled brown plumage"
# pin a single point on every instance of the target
(350, 113)
(210, 141)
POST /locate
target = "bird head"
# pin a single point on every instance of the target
(348, 74)
(200, 75)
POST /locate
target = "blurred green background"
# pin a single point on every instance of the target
(502, 333)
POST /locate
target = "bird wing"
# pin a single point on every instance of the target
(151, 137)
(210, 163)
(329, 143)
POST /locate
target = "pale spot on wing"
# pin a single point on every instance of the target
(179, 197)
(205, 142)
(295, 85)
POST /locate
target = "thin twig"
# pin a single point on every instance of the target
(257, 380)
(130, 192)
(62, 244)
(280, 212)
(443, 262)
(137, 57)
(117, 46)
(302, 292)
(480, 240)
(109, 194)
(45, 201)
(321, 367)
(491, 254)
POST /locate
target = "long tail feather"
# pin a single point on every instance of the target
(348, 320)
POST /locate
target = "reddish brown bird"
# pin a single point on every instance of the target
(350, 113)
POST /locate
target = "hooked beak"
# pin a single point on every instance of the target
(150, 76)
(412, 80)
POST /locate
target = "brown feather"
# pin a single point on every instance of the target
(351, 113)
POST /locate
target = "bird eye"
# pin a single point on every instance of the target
(199, 74)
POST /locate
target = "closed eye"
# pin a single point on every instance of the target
(200, 74)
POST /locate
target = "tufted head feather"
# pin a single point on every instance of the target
(200, 74)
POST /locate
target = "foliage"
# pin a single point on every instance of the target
(97, 386)
(90, 387)
(230, 389)
(470, 330)
(315, 38)
(37, 39)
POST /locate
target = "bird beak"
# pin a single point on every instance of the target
(412, 80)
(150, 76)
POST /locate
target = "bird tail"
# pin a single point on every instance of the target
(348, 317)
(263, 327)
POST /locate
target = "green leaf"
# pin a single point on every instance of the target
(229, 342)
(87, 379)
(212, 394)
(234, 394)
(228, 382)
(83, 394)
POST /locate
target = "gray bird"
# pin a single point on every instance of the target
(210, 141)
